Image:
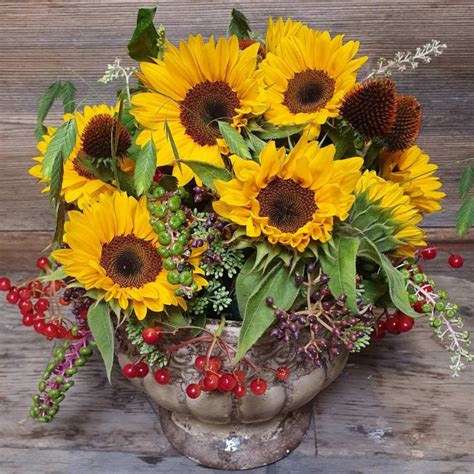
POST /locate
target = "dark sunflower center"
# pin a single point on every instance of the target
(130, 262)
(98, 137)
(205, 104)
(81, 169)
(308, 91)
(287, 205)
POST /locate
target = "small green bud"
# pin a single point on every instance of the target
(426, 308)
(174, 203)
(74, 331)
(439, 306)
(175, 222)
(418, 278)
(179, 292)
(159, 226)
(164, 252)
(44, 419)
(36, 398)
(183, 193)
(164, 238)
(176, 249)
(186, 278)
(34, 412)
(437, 322)
(412, 298)
(443, 294)
(158, 192)
(68, 385)
(183, 239)
(59, 378)
(405, 273)
(59, 399)
(432, 283)
(51, 367)
(450, 313)
(54, 393)
(160, 211)
(181, 215)
(42, 386)
(52, 411)
(85, 351)
(173, 278)
(169, 264)
(80, 362)
(71, 371)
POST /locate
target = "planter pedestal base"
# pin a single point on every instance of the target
(236, 446)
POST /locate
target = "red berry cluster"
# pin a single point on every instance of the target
(455, 261)
(396, 323)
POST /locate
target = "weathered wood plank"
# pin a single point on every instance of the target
(46, 40)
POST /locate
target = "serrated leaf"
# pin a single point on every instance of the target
(208, 173)
(234, 140)
(395, 280)
(168, 182)
(145, 168)
(45, 103)
(68, 96)
(339, 262)
(143, 44)
(58, 274)
(465, 217)
(60, 220)
(238, 25)
(62, 143)
(344, 142)
(258, 316)
(127, 183)
(100, 324)
(466, 181)
(256, 144)
(272, 133)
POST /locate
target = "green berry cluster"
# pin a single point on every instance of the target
(56, 379)
(171, 222)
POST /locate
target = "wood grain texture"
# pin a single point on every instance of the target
(44, 40)
(394, 409)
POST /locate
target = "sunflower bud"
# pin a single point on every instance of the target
(370, 108)
(407, 124)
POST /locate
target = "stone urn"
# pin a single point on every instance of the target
(223, 432)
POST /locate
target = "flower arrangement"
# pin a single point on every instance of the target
(248, 179)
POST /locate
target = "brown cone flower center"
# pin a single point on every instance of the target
(204, 105)
(308, 91)
(81, 169)
(98, 137)
(287, 204)
(130, 262)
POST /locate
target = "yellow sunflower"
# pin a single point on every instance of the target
(194, 86)
(277, 30)
(389, 195)
(293, 198)
(113, 248)
(412, 170)
(307, 77)
(94, 127)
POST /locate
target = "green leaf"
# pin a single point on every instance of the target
(62, 143)
(68, 95)
(174, 148)
(145, 168)
(100, 324)
(168, 182)
(339, 262)
(256, 144)
(208, 173)
(175, 317)
(258, 316)
(272, 133)
(127, 183)
(238, 25)
(60, 220)
(57, 174)
(395, 280)
(466, 182)
(144, 42)
(45, 103)
(58, 274)
(235, 140)
(343, 141)
(465, 217)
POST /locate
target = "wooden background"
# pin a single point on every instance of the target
(45, 40)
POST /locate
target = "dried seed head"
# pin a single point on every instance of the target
(371, 107)
(407, 124)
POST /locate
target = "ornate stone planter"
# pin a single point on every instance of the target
(220, 431)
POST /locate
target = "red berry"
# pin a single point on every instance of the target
(62, 332)
(405, 322)
(42, 263)
(392, 325)
(429, 253)
(28, 319)
(151, 335)
(200, 363)
(282, 373)
(240, 391)
(39, 326)
(162, 376)
(25, 306)
(193, 390)
(50, 331)
(24, 293)
(215, 364)
(211, 381)
(42, 304)
(36, 287)
(5, 284)
(456, 261)
(142, 370)
(64, 302)
(12, 297)
(130, 371)
(379, 331)
(227, 382)
(258, 386)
